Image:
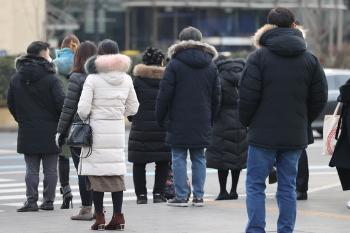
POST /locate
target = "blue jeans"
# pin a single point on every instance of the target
(179, 165)
(259, 165)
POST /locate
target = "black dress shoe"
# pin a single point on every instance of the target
(28, 207)
(301, 196)
(48, 205)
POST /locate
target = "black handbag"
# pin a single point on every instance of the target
(80, 135)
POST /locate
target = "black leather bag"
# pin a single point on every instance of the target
(80, 135)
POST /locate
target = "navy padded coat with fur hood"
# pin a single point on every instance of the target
(189, 94)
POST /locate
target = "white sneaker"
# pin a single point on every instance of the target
(348, 204)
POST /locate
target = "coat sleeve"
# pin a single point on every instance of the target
(216, 98)
(11, 101)
(85, 102)
(132, 104)
(318, 92)
(58, 95)
(165, 95)
(250, 89)
(70, 104)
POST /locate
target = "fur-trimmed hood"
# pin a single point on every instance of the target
(144, 71)
(282, 41)
(195, 54)
(112, 68)
(107, 63)
(112, 63)
(188, 44)
(34, 67)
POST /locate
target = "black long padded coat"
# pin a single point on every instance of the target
(35, 99)
(283, 89)
(147, 138)
(341, 155)
(228, 148)
(69, 111)
(189, 94)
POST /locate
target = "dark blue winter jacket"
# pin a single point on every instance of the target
(189, 95)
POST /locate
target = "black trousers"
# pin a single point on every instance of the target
(85, 195)
(139, 175)
(303, 173)
(63, 170)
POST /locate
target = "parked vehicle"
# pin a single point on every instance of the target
(335, 79)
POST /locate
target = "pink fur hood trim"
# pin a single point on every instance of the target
(113, 63)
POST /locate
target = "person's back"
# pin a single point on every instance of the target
(284, 70)
(283, 89)
(189, 94)
(228, 148)
(35, 99)
(192, 79)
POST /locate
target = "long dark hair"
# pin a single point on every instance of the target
(85, 51)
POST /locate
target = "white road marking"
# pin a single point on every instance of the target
(6, 180)
(325, 187)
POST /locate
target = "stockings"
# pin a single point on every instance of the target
(223, 174)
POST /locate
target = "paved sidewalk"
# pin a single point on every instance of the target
(314, 216)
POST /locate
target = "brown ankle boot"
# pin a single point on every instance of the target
(100, 222)
(117, 223)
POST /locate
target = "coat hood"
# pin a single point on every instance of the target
(113, 68)
(112, 63)
(233, 67)
(194, 53)
(65, 52)
(144, 71)
(286, 42)
(33, 67)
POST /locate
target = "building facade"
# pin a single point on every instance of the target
(21, 22)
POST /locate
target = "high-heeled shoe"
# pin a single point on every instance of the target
(67, 197)
(117, 222)
(99, 224)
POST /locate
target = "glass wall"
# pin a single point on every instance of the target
(160, 26)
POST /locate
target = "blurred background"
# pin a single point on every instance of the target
(136, 24)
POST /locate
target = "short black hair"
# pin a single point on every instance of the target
(281, 17)
(36, 47)
(107, 46)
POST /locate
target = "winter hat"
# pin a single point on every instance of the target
(153, 56)
(190, 33)
(107, 46)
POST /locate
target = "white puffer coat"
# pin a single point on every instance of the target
(107, 97)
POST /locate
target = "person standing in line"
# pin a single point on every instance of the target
(69, 116)
(107, 97)
(341, 158)
(189, 95)
(64, 62)
(35, 100)
(147, 139)
(283, 89)
(228, 148)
